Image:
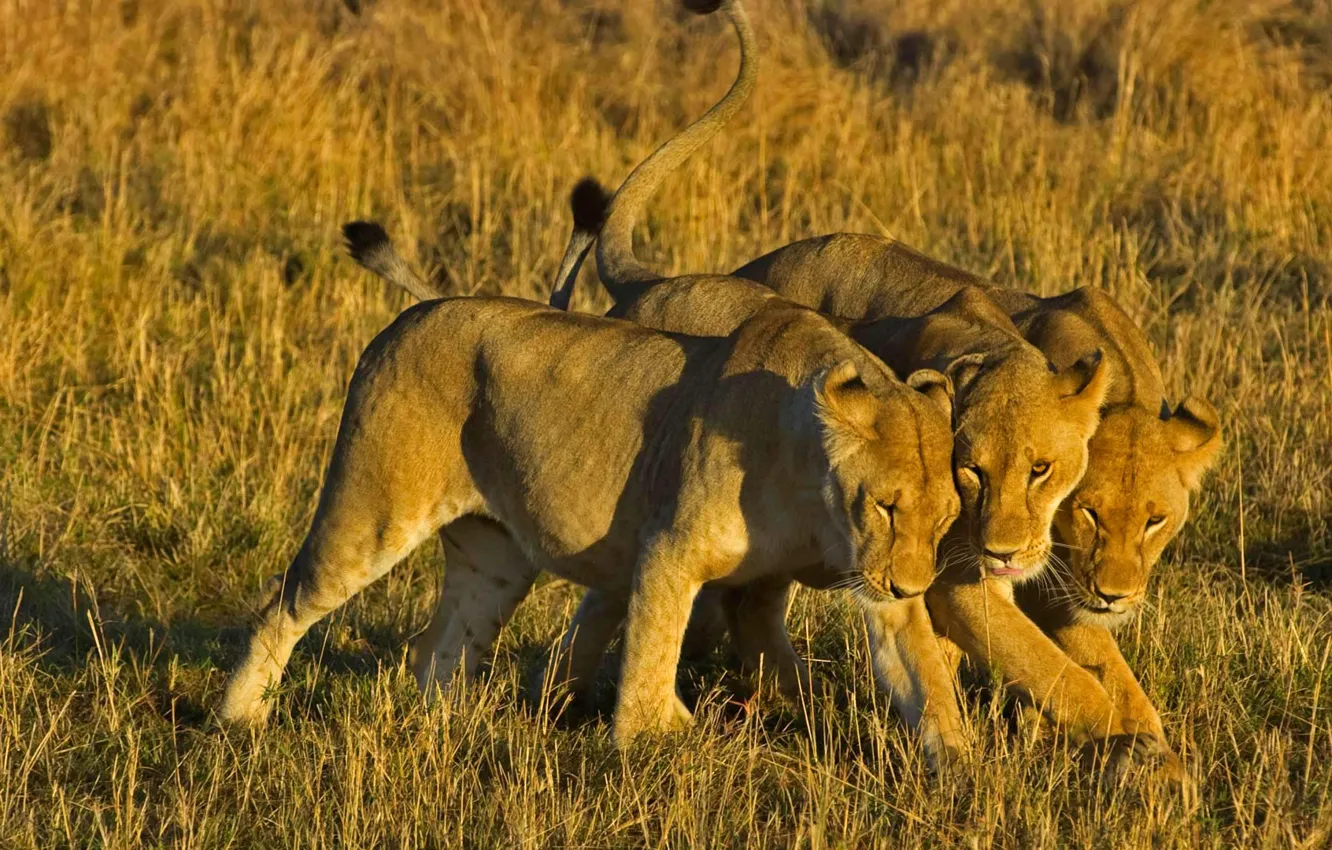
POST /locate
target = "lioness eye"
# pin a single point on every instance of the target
(1089, 514)
(886, 511)
(1039, 469)
(1155, 522)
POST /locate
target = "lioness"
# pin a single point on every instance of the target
(1145, 458)
(769, 453)
(907, 657)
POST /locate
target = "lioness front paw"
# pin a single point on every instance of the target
(244, 709)
(1122, 752)
(1129, 752)
(1032, 724)
(682, 718)
(1169, 770)
(636, 718)
(948, 760)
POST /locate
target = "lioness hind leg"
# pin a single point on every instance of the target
(756, 619)
(574, 668)
(373, 510)
(486, 576)
(339, 558)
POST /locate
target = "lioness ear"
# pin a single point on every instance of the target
(936, 387)
(1084, 384)
(1195, 434)
(963, 370)
(844, 399)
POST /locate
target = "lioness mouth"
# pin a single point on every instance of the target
(1006, 571)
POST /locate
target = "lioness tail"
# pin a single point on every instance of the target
(589, 202)
(616, 263)
(371, 248)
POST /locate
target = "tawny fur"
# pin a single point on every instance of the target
(1143, 461)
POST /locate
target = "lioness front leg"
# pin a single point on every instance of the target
(1096, 649)
(574, 668)
(982, 618)
(659, 607)
(911, 665)
(599, 617)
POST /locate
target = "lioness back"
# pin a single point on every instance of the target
(858, 276)
(526, 391)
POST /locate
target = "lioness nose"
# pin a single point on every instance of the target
(1109, 598)
(1002, 556)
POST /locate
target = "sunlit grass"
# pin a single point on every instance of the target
(177, 327)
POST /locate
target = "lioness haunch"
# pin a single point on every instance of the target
(768, 453)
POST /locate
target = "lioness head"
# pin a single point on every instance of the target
(1021, 437)
(888, 484)
(1132, 500)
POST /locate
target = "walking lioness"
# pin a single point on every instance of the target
(777, 450)
(1145, 457)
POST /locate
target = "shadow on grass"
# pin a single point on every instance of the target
(65, 625)
(1303, 553)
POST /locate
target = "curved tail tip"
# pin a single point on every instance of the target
(363, 238)
(559, 299)
(702, 7)
(590, 202)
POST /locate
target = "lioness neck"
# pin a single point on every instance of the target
(934, 340)
(1065, 327)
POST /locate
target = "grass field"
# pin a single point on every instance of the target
(178, 325)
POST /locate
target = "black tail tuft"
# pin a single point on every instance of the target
(363, 239)
(702, 7)
(590, 203)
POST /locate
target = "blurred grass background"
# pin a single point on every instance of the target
(177, 327)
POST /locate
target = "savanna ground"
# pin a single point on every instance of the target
(178, 325)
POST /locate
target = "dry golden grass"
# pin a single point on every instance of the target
(178, 327)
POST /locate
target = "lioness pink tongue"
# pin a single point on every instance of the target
(1006, 571)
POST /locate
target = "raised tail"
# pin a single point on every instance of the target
(371, 248)
(616, 263)
(589, 202)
